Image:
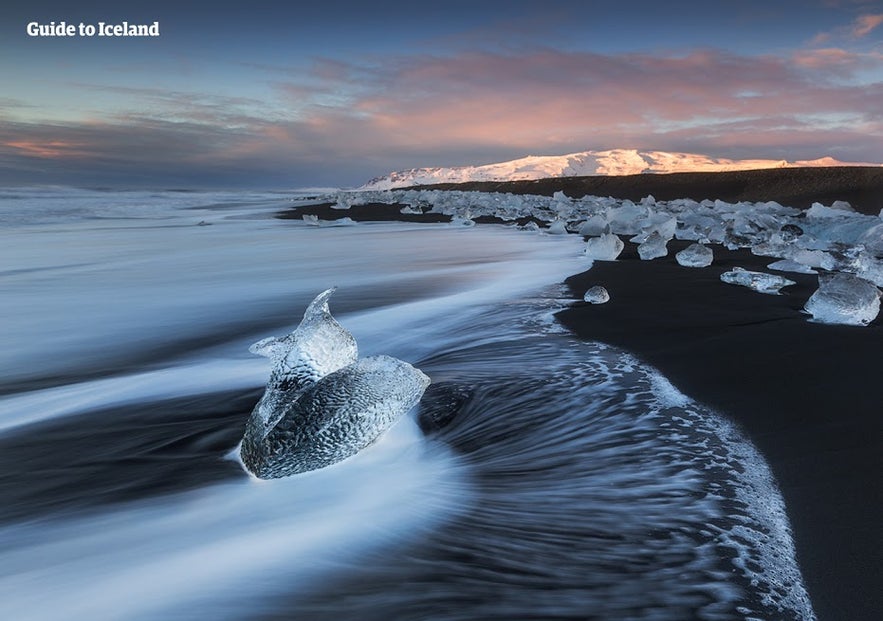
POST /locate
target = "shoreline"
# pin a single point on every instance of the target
(802, 392)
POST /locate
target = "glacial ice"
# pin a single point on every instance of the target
(844, 299)
(787, 265)
(596, 295)
(322, 403)
(835, 238)
(757, 281)
(344, 413)
(604, 248)
(653, 248)
(558, 227)
(596, 225)
(695, 255)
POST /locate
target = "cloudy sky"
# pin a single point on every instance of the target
(278, 95)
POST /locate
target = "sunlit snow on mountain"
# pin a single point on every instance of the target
(611, 162)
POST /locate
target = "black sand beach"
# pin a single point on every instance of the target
(806, 394)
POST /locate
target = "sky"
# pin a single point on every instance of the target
(329, 93)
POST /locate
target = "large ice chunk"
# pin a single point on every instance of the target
(322, 404)
(345, 412)
(604, 248)
(318, 346)
(653, 247)
(695, 255)
(758, 281)
(844, 298)
(596, 295)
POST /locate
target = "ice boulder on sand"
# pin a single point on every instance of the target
(604, 248)
(596, 295)
(653, 247)
(844, 298)
(695, 255)
(758, 281)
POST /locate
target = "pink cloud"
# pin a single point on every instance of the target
(864, 24)
(479, 107)
(544, 99)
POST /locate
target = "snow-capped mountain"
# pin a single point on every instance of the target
(612, 162)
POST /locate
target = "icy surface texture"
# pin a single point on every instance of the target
(604, 248)
(596, 295)
(315, 366)
(695, 255)
(318, 346)
(344, 413)
(758, 281)
(845, 299)
(653, 248)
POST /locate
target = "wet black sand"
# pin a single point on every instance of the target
(808, 396)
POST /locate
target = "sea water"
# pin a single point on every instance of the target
(574, 482)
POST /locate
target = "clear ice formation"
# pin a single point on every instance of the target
(322, 403)
(604, 248)
(844, 299)
(596, 295)
(757, 281)
(695, 255)
(653, 247)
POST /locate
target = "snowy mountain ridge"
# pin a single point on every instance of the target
(585, 163)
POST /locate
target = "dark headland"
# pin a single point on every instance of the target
(808, 395)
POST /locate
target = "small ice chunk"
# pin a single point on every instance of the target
(596, 295)
(342, 222)
(594, 226)
(836, 210)
(530, 225)
(411, 210)
(844, 299)
(787, 265)
(311, 219)
(653, 248)
(758, 281)
(813, 258)
(558, 227)
(462, 221)
(695, 255)
(604, 248)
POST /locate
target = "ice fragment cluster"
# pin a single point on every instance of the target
(834, 238)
